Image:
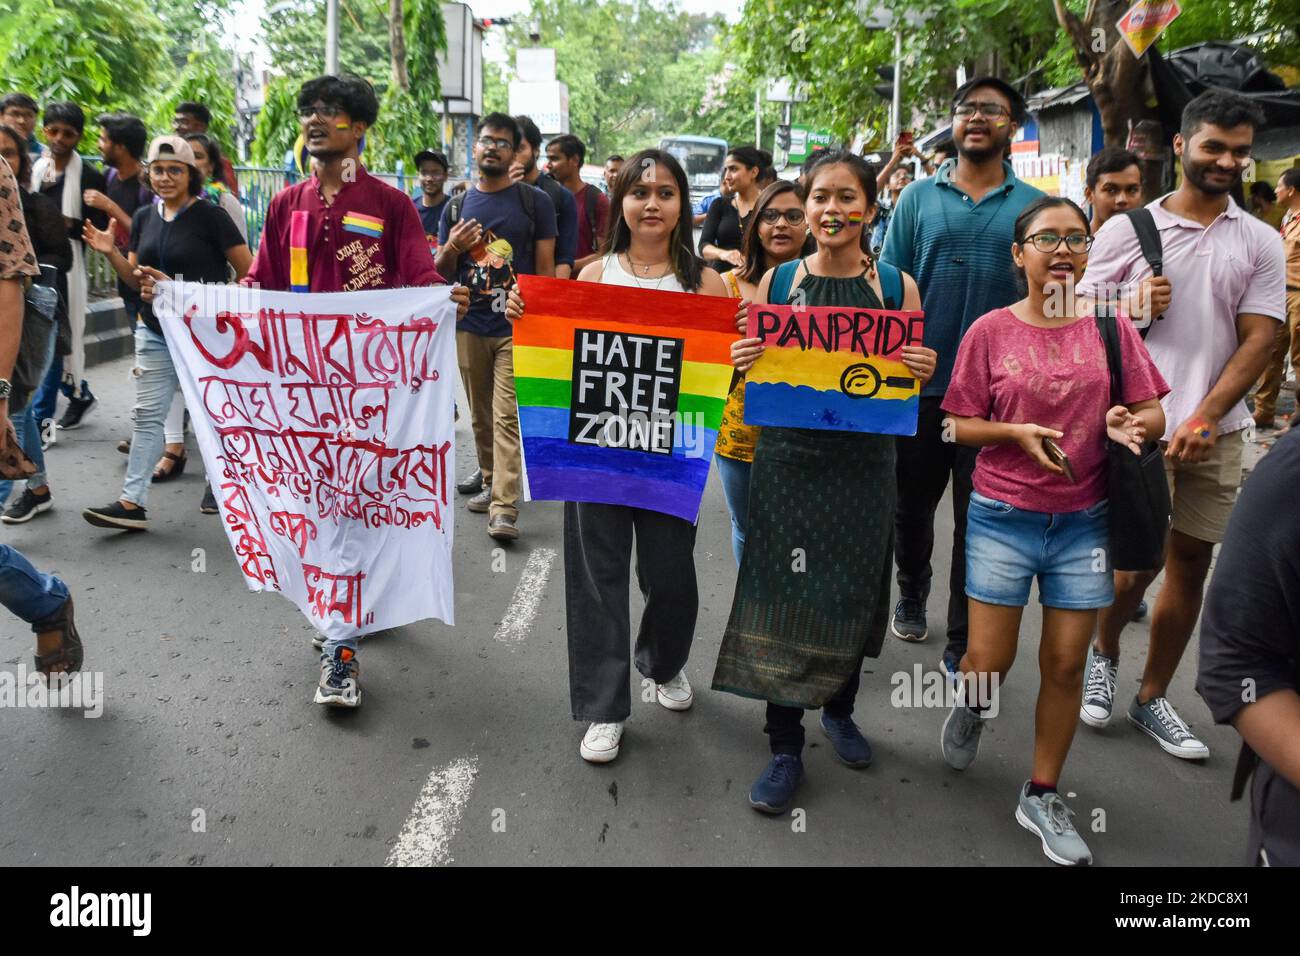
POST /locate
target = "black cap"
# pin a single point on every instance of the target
(434, 155)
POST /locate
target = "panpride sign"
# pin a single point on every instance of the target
(326, 426)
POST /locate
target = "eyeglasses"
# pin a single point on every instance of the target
(1076, 242)
(326, 111)
(491, 142)
(991, 110)
(168, 172)
(772, 216)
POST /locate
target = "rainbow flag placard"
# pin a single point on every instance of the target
(833, 367)
(620, 392)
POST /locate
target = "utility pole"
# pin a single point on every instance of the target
(332, 37)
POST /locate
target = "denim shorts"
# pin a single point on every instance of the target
(1007, 547)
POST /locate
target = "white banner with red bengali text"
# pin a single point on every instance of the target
(326, 423)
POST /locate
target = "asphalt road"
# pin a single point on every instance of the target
(464, 751)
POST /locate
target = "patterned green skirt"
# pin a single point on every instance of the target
(813, 591)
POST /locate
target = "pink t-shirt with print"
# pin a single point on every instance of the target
(1010, 371)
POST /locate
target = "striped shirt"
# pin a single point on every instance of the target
(959, 253)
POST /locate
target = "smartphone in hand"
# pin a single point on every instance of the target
(1058, 458)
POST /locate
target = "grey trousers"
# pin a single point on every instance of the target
(597, 556)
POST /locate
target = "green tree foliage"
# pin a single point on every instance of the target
(408, 120)
(101, 54)
(614, 56)
(825, 44)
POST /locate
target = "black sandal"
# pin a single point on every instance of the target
(124, 446)
(70, 652)
(177, 469)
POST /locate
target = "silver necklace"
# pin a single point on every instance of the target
(645, 270)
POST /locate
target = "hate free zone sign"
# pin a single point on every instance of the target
(620, 392)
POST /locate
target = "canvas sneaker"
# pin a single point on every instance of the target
(676, 694)
(600, 742)
(1099, 675)
(1158, 719)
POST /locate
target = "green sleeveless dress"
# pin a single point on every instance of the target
(812, 595)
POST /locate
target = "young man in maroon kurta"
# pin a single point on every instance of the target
(360, 233)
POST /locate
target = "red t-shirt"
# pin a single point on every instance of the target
(587, 239)
(370, 237)
(1010, 371)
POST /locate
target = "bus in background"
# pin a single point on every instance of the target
(702, 157)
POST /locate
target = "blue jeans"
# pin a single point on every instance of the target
(155, 382)
(735, 486)
(28, 428)
(47, 396)
(26, 592)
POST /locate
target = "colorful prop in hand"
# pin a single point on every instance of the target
(833, 367)
(620, 392)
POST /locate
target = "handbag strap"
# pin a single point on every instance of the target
(1114, 359)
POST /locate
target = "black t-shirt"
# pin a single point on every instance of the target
(91, 178)
(130, 194)
(192, 245)
(1250, 630)
(724, 228)
(430, 216)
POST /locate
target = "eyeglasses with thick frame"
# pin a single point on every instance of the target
(771, 216)
(990, 110)
(168, 172)
(491, 142)
(1077, 242)
(326, 110)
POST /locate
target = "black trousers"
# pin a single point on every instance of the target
(784, 727)
(598, 542)
(925, 463)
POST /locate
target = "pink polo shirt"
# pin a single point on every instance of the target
(1217, 272)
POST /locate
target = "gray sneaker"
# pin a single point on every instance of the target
(960, 740)
(1049, 817)
(481, 503)
(1099, 676)
(1157, 718)
(909, 621)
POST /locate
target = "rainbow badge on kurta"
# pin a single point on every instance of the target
(362, 224)
(620, 392)
(298, 275)
(833, 367)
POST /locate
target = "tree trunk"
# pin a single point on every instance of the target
(397, 43)
(1119, 82)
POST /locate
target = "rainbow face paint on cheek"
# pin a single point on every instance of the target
(342, 125)
(855, 219)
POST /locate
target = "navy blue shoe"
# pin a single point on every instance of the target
(775, 786)
(1141, 611)
(850, 746)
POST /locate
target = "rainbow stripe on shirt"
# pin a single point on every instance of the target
(365, 225)
(298, 276)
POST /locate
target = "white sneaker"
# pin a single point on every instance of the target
(676, 694)
(600, 743)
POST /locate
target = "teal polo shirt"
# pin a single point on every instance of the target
(959, 253)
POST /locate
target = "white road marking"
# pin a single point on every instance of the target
(425, 840)
(527, 598)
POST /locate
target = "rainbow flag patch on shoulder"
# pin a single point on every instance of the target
(365, 225)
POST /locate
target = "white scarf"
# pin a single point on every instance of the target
(74, 365)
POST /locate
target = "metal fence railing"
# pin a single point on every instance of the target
(257, 185)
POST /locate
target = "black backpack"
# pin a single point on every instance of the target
(591, 207)
(523, 190)
(1148, 236)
